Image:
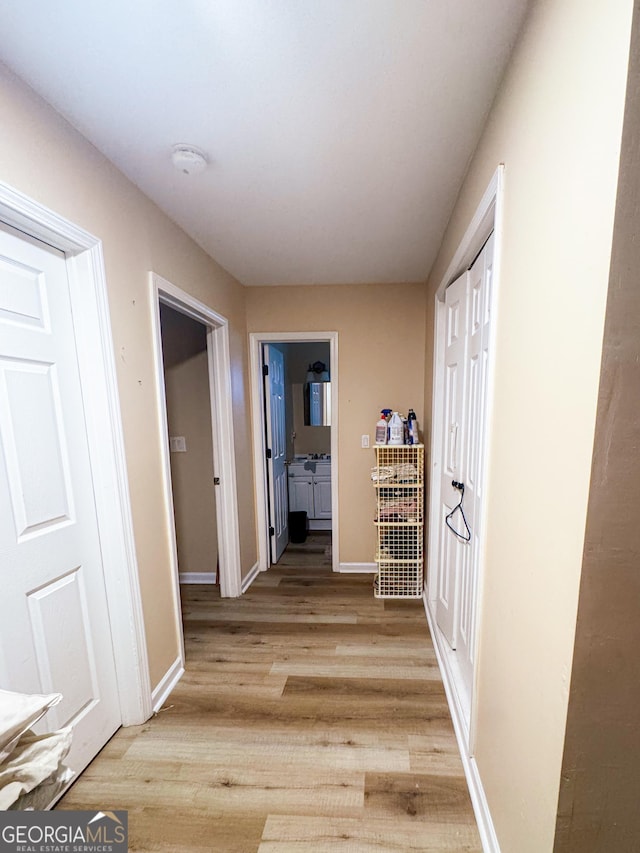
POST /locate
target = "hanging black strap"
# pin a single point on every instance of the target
(466, 537)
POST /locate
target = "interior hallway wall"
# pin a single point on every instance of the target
(381, 339)
(186, 371)
(598, 805)
(45, 158)
(556, 125)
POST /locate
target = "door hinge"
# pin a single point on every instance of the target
(272, 531)
(268, 453)
(265, 369)
(216, 481)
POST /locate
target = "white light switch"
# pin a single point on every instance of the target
(365, 441)
(177, 444)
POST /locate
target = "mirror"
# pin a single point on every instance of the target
(317, 404)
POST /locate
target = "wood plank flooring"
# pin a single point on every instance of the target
(311, 718)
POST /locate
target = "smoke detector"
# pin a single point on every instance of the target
(188, 159)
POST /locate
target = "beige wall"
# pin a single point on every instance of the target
(42, 156)
(556, 125)
(186, 372)
(380, 344)
(598, 805)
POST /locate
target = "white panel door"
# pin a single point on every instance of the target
(54, 624)
(480, 279)
(451, 549)
(276, 443)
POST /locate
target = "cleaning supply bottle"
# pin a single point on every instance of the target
(381, 430)
(396, 429)
(412, 421)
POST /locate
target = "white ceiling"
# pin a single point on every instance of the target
(338, 131)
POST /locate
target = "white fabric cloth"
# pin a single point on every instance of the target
(34, 760)
(30, 764)
(18, 712)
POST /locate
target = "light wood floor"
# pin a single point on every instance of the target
(311, 718)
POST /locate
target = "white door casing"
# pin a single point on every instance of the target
(275, 418)
(223, 434)
(256, 341)
(451, 548)
(55, 624)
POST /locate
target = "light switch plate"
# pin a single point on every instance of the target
(365, 441)
(177, 444)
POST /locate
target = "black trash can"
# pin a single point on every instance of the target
(297, 527)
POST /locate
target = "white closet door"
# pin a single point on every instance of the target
(477, 352)
(451, 549)
(54, 624)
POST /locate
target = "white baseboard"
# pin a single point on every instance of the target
(358, 567)
(167, 683)
(197, 577)
(319, 524)
(249, 579)
(474, 782)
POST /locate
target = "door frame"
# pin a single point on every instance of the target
(98, 379)
(222, 432)
(488, 216)
(256, 339)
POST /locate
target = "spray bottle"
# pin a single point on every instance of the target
(381, 430)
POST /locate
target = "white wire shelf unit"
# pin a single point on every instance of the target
(398, 477)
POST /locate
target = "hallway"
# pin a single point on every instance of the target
(311, 717)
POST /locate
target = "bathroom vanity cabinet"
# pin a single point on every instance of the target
(310, 491)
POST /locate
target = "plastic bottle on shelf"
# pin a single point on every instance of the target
(412, 422)
(381, 430)
(396, 429)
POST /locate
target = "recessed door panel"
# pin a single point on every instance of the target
(451, 423)
(453, 322)
(33, 440)
(445, 579)
(22, 294)
(64, 649)
(474, 402)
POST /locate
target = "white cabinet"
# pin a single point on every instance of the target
(300, 494)
(310, 489)
(322, 497)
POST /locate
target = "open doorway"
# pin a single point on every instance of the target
(295, 444)
(216, 542)
(186, 381)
